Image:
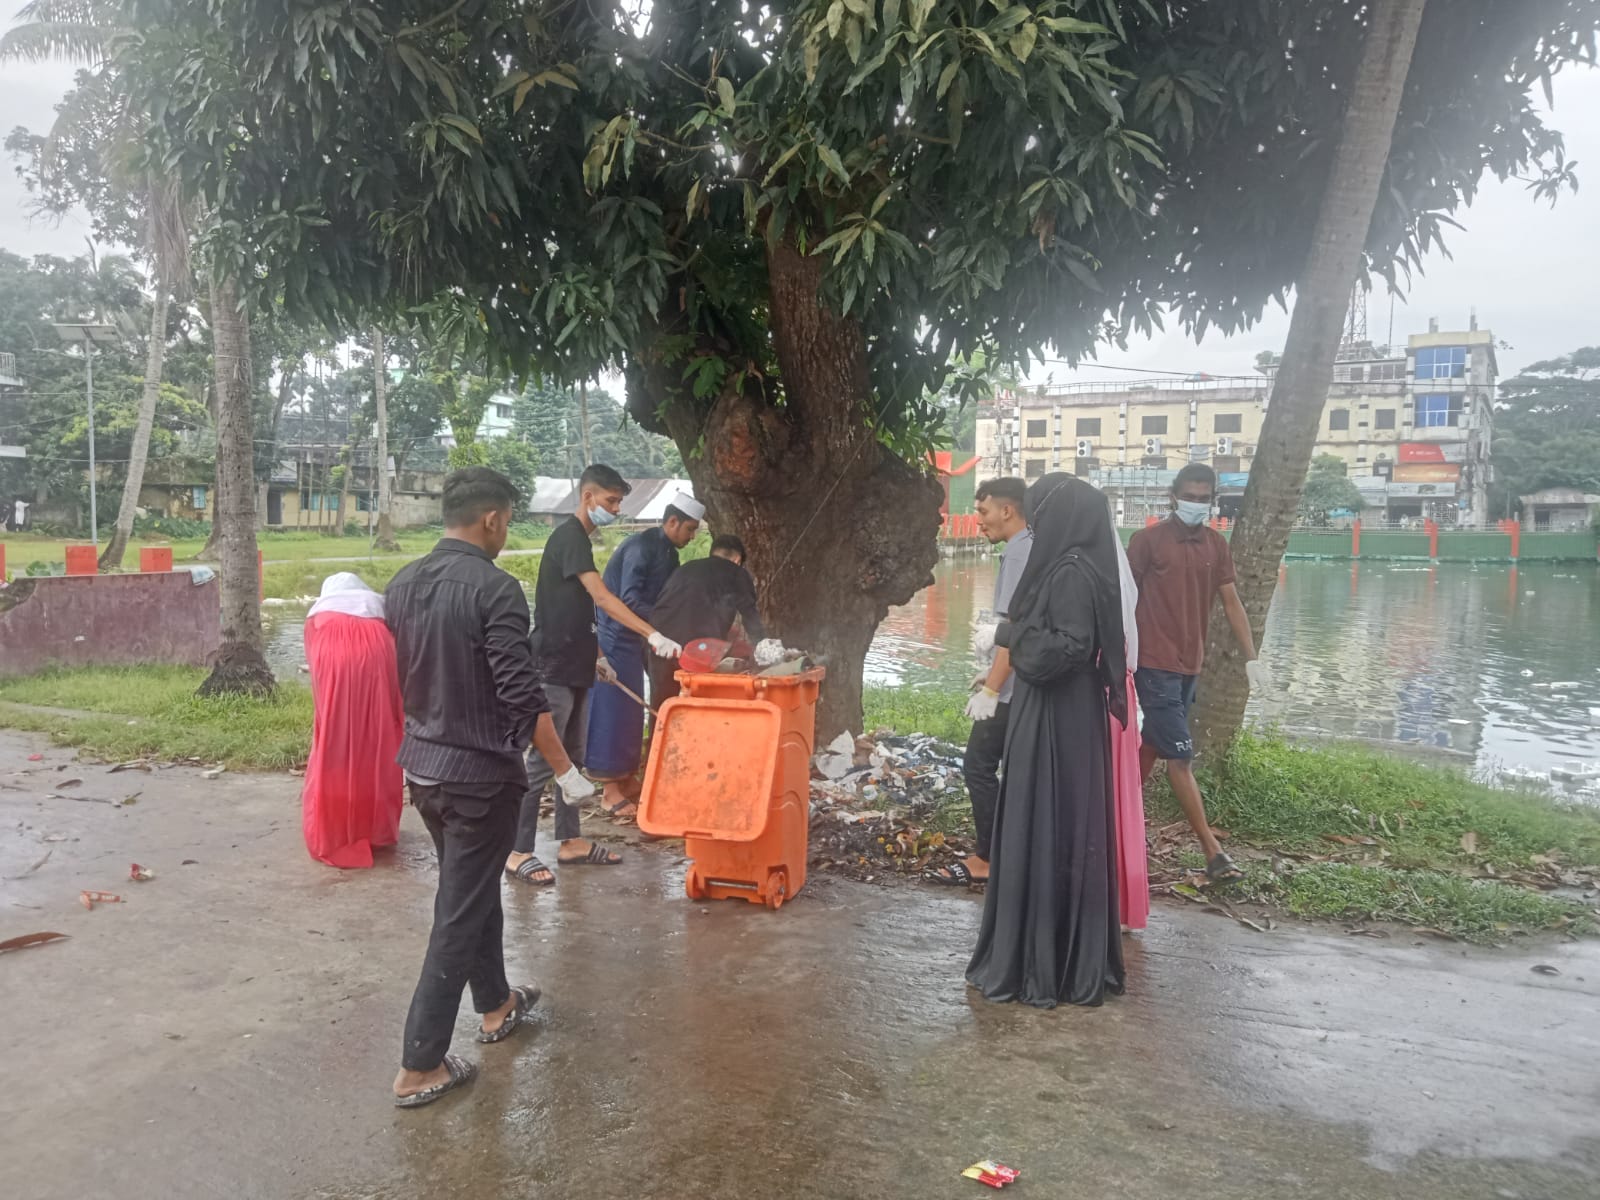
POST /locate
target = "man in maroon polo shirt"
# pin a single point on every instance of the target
(1181, 566)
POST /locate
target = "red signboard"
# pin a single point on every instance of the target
(1421, 452)
(1427, 472)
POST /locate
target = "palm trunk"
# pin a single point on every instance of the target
(1294, 413)
(240, 665)
(154, 359)
(380, 453)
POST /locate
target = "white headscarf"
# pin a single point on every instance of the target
(1130, 597)
(345, 593)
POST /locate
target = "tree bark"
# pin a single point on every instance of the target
(1294, 412)
(240, 665)
(583, 422)
(154, 360)
(380, 398)
(838, 529)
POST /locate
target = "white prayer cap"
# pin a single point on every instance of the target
(688, 506)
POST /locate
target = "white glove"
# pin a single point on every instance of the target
(664, 646)
(604, 671)
(983, 638)
(769, 652)
(574, 786)
(1259, 675)
(983, 705)
(980, 680)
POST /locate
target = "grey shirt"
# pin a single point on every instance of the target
(1013, 561)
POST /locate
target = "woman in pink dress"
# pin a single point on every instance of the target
(354, 789)
(1133, 870)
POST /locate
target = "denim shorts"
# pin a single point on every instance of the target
(1165, 697)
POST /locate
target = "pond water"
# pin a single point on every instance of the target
(1493, 668)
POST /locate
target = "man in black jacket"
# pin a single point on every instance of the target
(473, 703)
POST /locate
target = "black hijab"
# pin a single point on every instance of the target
(1072, 525)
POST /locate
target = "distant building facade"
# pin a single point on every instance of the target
(1414, 428)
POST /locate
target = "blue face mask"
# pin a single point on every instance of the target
(601, 517)
(1192, 512)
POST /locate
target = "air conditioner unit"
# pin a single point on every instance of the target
(1249, 452)
(1085, 448)
(1152, 447)
(1225, 446)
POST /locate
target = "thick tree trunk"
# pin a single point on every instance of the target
(241, 665)
(380, 399)
(1322, 294)
(154, 359)
(838, 529)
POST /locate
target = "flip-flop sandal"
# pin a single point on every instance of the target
(618, 817)
(598, 856)
(957, 874)
(461, 1073)
(530, 867)
(1222, 869)
(526, 996)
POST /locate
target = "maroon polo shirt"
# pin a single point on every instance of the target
(1179, 570)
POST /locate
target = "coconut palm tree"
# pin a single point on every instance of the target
(98, 111)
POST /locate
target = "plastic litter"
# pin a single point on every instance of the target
(991, 1173)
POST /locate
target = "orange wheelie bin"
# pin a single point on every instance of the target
(730, 773)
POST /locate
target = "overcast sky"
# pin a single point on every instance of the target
(1532, 272)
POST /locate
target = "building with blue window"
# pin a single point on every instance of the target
(1447, 421)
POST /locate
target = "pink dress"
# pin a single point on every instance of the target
(1133, 871)
(354, 789)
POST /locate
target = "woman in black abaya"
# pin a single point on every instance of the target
(1051, 932)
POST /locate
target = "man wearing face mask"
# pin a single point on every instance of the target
(1181, 565)
(565, 646)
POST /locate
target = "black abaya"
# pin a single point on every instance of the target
(1051, 930)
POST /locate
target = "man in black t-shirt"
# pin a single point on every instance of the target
(702, 599)
(567, 654)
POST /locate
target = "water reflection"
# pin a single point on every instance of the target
(1492, 666)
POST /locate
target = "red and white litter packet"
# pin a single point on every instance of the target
(991, 1173)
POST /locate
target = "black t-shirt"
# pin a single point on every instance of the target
(564, 643)
(703, 597)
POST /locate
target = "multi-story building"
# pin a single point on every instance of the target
(10, 382)
(1413, 428)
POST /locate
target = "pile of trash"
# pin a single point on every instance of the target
(880, 806)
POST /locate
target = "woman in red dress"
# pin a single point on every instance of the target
(354, 789)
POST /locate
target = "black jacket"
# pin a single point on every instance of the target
(701, 599)
(471, 694)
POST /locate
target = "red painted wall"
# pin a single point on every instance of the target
(108, 620)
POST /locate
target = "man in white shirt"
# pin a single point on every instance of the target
(1000, 509)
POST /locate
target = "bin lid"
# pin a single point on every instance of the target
(711, 769)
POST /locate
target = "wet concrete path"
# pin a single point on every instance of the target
(232, 1029)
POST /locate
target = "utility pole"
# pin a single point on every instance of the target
(90, 334)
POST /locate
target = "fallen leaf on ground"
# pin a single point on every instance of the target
(66, 783)
(1545, 969)
(137, 764)
(30, 939)
(1469, 842)
(35, 867)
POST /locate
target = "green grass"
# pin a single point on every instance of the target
(1474, 910)
(1409, 822)
(153, 712)
(1273, 794)
(918, 710)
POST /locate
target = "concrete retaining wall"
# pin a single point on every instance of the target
(108, 620)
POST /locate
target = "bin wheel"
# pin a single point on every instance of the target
(692, 886)
(777, 889)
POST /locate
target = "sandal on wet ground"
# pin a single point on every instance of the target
(530, 867)
(526, 996)
(619, 817)
(598, 856)
(957, 874)
(461, 1073)
(1222, 869)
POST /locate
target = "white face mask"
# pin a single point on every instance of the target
(1193, 512)
(601, 517)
